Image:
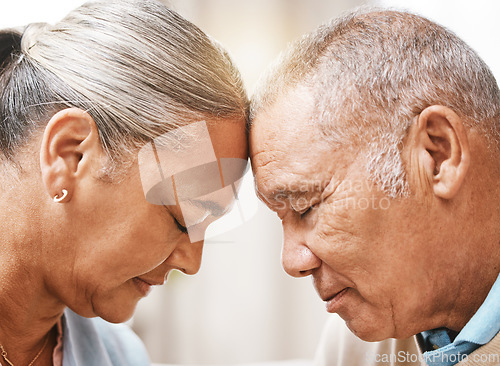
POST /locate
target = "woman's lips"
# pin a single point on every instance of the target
(142, 286)
(334, 303)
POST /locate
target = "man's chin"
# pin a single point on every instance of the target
(369, 332)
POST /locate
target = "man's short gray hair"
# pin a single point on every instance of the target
(138, 68)
(372, 72)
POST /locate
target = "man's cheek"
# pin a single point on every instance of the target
(339, 238)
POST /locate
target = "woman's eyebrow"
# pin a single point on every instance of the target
(212, 206)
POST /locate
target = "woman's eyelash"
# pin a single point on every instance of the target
(181, 228)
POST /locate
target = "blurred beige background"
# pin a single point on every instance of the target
(242, 307)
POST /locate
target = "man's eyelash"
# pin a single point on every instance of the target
(306, 212)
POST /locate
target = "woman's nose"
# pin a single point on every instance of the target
(187, 257)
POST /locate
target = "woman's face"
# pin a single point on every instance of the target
(118, 243)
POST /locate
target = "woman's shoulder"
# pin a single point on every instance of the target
(97, 342)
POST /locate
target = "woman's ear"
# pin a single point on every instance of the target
(70, 144)
(442, 148)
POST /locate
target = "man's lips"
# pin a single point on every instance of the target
(327, 298)
(334, 302)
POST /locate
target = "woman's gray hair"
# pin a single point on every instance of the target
(138, 68)
(372, 72)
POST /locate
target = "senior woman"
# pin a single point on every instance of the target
(80, 102)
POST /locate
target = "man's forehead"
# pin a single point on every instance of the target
(290, 157)
(283, 121)
(271, 139)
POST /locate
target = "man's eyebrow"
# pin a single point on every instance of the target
(282, 193)
(289, 193)
(271, 193)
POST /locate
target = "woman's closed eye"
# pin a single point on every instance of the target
(181, 228)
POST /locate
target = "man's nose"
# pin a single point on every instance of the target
(297, 258)
(186, 257)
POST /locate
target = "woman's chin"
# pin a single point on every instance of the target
(116, 315)
(113, 311)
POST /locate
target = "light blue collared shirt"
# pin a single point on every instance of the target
(99, 343)
(481, 329)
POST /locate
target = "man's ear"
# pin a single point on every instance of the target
(443, 149)
(70, 144)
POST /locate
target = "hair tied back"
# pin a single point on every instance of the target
(10, 46)
(31, 35)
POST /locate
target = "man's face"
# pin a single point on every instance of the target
(372, 258)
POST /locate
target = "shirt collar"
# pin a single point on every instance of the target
(485, 323)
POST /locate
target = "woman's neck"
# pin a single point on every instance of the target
(28, 311)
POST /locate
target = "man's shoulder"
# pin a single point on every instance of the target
(97, 342)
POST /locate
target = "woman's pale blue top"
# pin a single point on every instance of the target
(95, 342)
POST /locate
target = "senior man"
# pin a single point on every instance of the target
(376, 140)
